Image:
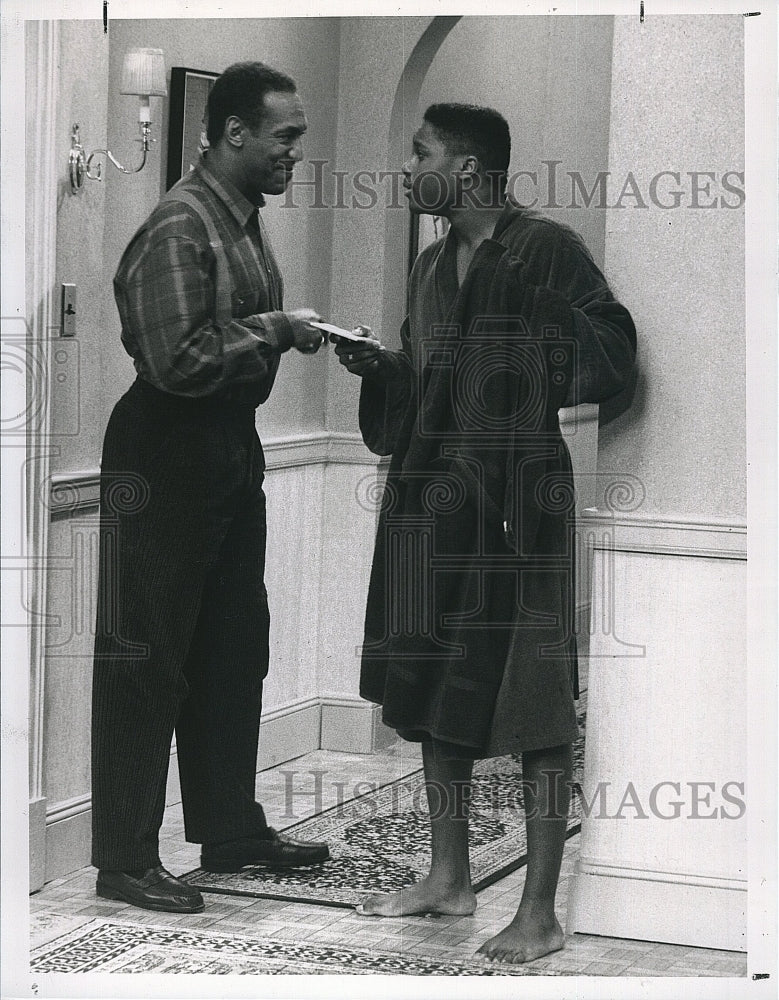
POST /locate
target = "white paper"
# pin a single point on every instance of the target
(337, 331)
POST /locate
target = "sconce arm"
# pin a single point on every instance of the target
(80, 165)
(98, 174)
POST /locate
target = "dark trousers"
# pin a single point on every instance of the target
(182, 624)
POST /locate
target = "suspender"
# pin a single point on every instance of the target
(223, 295)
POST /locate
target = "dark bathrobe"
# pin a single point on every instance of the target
(469, 623)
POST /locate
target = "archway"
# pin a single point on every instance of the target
(404, 109)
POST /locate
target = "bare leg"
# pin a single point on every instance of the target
(447, 889)
(535, 931)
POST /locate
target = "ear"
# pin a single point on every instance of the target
(470, 165)
(235, 131)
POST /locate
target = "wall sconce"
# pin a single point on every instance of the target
(143, 74)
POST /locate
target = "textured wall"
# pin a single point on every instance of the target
(293, 571)
(677, 105)
(550, 77)
(77, 401)
(373, 55)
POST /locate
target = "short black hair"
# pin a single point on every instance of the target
(468, 128)
(241, 91)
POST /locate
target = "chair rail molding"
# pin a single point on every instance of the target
(637, 532)
(74, 492)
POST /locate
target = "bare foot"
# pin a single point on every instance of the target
(525, 939)
(424, 897)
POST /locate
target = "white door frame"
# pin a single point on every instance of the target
(44, 154)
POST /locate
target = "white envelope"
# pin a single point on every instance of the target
(337, 331)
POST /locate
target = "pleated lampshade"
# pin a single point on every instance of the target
(143, 73)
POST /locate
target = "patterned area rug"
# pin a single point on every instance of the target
(380, 842)
(102, 946)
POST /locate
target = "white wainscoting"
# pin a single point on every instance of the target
(321, 525)
(667, 704)
(323, 495)
(579, 426)
(69, 639)
(321, 528)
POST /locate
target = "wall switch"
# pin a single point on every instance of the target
(68, 326)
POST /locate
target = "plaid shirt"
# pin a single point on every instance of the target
(166, 289)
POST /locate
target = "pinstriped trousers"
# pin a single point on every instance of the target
(182, 624)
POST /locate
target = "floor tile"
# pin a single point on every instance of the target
(71, 900)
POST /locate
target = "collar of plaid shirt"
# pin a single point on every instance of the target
(239, 204)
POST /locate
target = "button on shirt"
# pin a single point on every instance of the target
(166, 287)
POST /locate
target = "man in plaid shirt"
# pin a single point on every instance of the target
(182, 622)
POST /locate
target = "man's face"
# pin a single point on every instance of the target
(272, 150)
(429, 176)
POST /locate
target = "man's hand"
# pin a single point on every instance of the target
(360, 359)
(307, 339)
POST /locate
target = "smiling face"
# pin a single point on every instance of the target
(430, 177)
(270, 152)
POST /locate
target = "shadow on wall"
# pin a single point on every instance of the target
(628, 399)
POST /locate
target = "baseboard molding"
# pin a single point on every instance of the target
(289, 732)
(344, 724)
(64, 844)
(37, 829)
(658, 906)
(285, 733)
(351, 725)
(69, 841)
(347, 725)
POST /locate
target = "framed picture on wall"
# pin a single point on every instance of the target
(189, 90)
(424, 230)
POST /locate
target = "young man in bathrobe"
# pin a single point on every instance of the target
(469, 643)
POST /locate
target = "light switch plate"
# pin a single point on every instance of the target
(68, 317)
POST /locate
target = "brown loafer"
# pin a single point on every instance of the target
(155, 889)
(275, 851)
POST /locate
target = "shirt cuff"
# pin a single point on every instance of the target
(272, 328)
(278, 330)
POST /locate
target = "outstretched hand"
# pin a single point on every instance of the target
(306, 338)
(357, 358)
